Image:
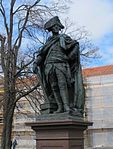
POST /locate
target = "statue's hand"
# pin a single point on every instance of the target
(35, 68)
(38, 60)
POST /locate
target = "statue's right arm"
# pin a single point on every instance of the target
(40, 58)
(37, 63)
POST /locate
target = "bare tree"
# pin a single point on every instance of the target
(18, 19)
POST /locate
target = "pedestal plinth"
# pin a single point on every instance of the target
(60, 134)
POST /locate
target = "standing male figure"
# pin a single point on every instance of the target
(59, 65)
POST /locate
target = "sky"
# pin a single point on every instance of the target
(97, 17)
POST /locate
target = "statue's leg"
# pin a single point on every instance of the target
(62, 83)
(56, 92)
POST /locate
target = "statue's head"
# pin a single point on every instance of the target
(53, 25)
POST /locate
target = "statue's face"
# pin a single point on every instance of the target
(55, 29)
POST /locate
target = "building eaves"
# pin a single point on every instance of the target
(97, 71)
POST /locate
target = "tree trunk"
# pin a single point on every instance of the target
(7, 128)
(8, 112)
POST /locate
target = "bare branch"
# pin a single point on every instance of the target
(19, 38)
(2, 39)
(23, 94)
(2, 10)
(33, 36)
(36, 108)
(24, 66)
(11, 19)
(20, 8)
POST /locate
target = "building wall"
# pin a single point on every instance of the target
(99, 107)
(23, 134)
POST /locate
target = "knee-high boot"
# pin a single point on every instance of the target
(58, 101)
(65, 99)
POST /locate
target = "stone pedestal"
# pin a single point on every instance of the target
(60, 134)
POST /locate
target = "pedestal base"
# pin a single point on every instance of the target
(60, 134)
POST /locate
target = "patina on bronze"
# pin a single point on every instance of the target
(59, 69)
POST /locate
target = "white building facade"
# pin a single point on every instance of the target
(99, 107)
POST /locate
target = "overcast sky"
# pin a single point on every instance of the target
(97, 17)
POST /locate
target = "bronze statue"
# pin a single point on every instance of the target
(58, 66)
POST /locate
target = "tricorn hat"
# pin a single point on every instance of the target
(53, 21)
